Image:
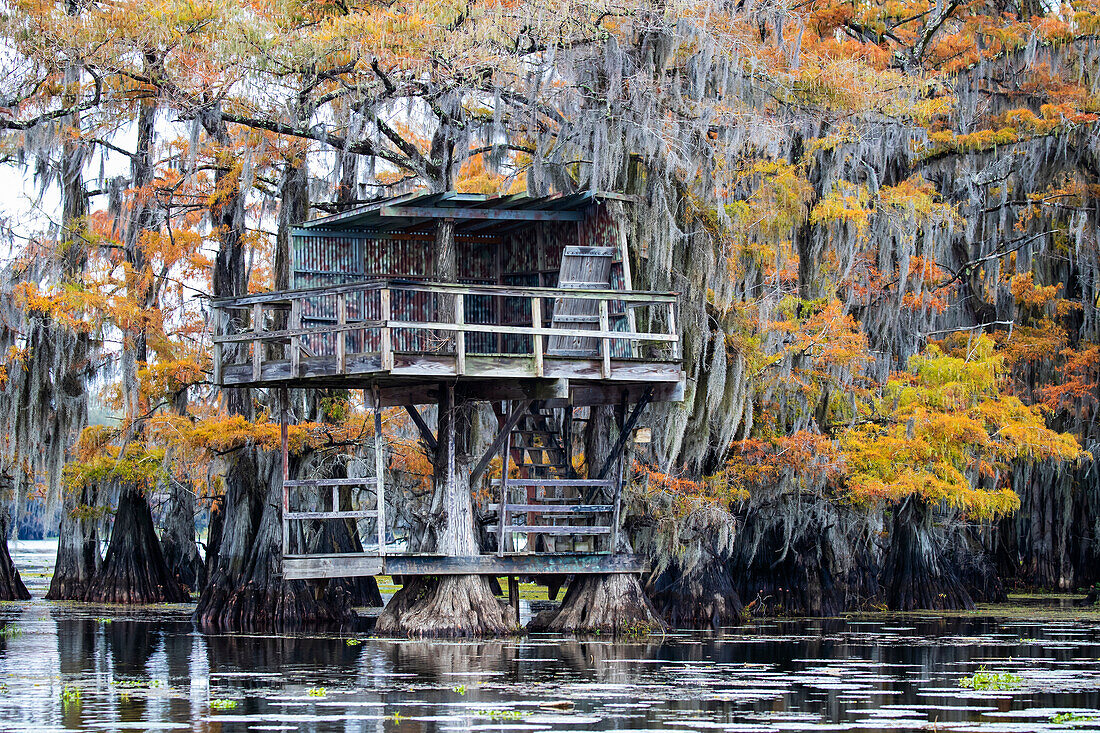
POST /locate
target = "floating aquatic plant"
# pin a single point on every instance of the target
(986, 680)
(316, 692)
(223, 704)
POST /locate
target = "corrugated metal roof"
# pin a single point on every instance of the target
(473, 213)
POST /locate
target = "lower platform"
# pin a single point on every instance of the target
(305, 567)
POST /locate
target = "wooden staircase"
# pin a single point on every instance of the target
(544, 507)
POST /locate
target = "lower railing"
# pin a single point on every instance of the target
(318, 492)
(384, 318)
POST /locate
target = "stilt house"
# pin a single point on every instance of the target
(540, 320)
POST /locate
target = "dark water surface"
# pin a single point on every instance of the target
(75, 667)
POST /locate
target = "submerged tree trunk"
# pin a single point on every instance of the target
(77, 547)
(133, 571)
(453, 605)
(915, 574)
(11, 585)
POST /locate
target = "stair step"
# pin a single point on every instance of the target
(555, 529)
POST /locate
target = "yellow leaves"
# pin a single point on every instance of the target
(945, 433)
(846, 203)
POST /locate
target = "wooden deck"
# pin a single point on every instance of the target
(302, 567)
(388, 333)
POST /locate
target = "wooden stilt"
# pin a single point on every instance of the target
(284, 398)
(513, 594)
(505, 459)
(379, 474)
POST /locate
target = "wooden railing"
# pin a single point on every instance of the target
(388, 317)
(534, 510)
(316, 490)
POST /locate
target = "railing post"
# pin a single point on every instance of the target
(386, 335)
(341, 335)
(379, 473)
(217, 314)
(673, 309)
(505, 459)
(460, 334)
(605, 350)
(536, 339)
(284, 398)
(295, 340)
(257, 344)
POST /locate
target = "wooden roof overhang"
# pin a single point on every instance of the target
(474, 215)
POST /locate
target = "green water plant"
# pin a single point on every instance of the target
(1071, 718)
(223, 704)
(70, 696)
(316, 692)
(983, 680)
(353, 642)
(501, 714)
(460, 689)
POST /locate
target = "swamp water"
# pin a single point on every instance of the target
(79, 667)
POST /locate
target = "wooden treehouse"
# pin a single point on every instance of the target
(541, 321)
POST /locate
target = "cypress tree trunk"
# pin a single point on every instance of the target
(701, 597)
(181, 553)
(134, 571)
(245, 590)
(77, 547)
(915, 575)
(452, 605)
(11, 585)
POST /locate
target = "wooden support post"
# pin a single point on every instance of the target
(616, 504)
(295, 341)
(257, 344)
(567, 435)
(536, 339)
(505, 459)
(460, 334)
(513, 594)
(216, 314)
(379, 473)
(341, 335)
(384, 315)
(624, 432)
(284, 398)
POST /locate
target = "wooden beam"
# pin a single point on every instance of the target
(422, 426)
(436, 212)
(519, 407)
(350, 565)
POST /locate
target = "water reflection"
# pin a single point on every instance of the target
(152, 671)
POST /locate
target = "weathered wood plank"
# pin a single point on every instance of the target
(563, 482)
(326, 482)
(351, 514)
(304, 567)
(434, 212)
(555, 508)
(555, 529)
